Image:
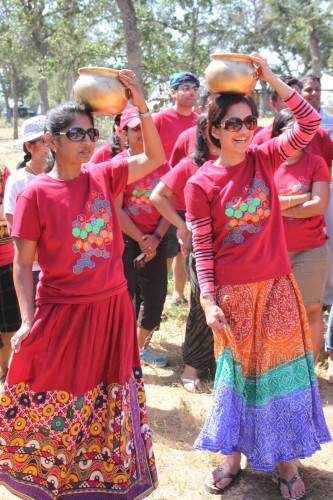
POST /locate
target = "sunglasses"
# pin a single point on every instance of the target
(77, 134)
(234, 124)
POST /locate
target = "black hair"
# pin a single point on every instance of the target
(60, 118)
(220, 107)
(289, 80)
(200, 153)
(27, 157)
(309, 77)
(280, 121)
(203, 98)
(115, 148)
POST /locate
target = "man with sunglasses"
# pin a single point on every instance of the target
(170, 123)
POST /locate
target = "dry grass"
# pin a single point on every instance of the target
(177, 416)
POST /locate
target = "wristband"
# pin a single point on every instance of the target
(145, 114)
(157, 235)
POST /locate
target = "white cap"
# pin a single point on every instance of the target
(32, 129)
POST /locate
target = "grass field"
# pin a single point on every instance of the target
(177, 416)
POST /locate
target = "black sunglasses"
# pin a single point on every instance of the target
(234, 124)
(77, 134)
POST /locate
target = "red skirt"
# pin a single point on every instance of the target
(73, 414)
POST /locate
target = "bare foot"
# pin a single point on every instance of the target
(295, 487)
(230, 466)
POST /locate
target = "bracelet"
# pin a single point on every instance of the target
(145, 114)
(206, 302)
(157, 235)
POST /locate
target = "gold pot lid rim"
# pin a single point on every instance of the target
(231, 55)
(97, 69)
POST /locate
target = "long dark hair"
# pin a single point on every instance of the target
(200, 153)
(115, 139)
(280, 121)
(220, 107)
(60, 118)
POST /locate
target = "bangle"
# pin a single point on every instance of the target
(145, 114)
(206, 302)
(157, 235)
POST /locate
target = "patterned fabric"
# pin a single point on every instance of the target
(54, 445)
(266, 402)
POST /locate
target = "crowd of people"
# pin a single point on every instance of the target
(87, 239)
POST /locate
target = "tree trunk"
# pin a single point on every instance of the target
(15, 99)
(315, 52)
(43, 96)
(132, 37)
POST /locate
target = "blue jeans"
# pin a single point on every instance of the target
(329, 333)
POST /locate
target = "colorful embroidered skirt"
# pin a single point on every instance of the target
(266, 402)
(73, 416)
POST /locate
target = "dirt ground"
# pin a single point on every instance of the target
(177, 416)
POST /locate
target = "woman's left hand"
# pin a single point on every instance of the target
(265, 72)
(148, 245)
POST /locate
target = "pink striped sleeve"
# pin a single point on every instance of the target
(198, 213)
(305, 127)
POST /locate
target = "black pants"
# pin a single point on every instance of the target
(150, 281)
(198, 349)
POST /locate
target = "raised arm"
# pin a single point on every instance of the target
(153, 155)
(307, 118)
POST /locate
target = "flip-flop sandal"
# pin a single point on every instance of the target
(195, 383)
(213, 489)
(280, 480)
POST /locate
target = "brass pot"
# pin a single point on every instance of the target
(231, 73)
(102, 90)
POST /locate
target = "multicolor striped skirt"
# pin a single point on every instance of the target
(73, 418)
(266, 402)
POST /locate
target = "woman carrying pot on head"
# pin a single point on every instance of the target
(34, 161)
(303, 184)
(250, 297)
(74, 397)
(143, 230)
(198, 348)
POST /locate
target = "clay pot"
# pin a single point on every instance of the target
(101, 89)
(231, 73)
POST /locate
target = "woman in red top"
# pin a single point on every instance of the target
(303, 183)
(74, 398)
(265, 381)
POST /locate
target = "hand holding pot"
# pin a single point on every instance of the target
(129, 79)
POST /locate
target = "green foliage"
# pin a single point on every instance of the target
(53, 38)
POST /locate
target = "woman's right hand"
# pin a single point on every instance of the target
(19, 336)
(215, 317)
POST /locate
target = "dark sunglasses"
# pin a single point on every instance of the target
(77, 134)
(234, 124)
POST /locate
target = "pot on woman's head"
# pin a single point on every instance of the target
(101, 90)
(231, 73)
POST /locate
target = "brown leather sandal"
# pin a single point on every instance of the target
(213, 489)
(281, 480)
